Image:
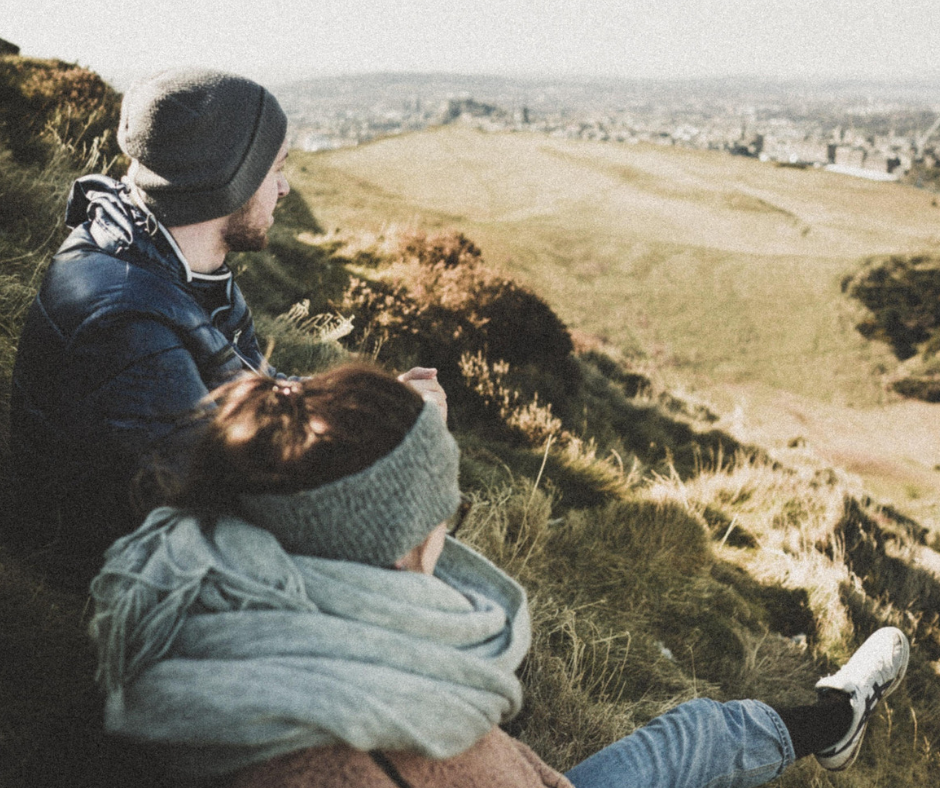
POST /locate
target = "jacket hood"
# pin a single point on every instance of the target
(92, 194)
(118, 227)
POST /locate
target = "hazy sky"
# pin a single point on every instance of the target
(285, 39)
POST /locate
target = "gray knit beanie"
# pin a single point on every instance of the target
(201, 142)
(377, 515)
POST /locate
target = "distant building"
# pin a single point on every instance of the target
(6, 48)
(747, 147)
(849, 156)
(808, 151)
(877, 161)
(315, 142)
(466, 108)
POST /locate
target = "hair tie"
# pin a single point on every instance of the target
(286, 391)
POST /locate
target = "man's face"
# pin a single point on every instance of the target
(247, 228)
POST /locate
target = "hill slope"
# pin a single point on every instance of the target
(675, 238)
(725, 271)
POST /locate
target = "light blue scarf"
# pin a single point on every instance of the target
(223, 650)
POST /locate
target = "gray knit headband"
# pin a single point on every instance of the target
(377, 515)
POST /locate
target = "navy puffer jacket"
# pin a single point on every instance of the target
(120, 344)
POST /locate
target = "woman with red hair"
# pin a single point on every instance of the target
(301, 615)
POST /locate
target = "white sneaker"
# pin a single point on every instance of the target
(873, 673)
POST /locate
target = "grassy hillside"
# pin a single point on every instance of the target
(642, 244)
(726, 273)
(664, 558)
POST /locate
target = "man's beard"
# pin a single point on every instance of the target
(241, 235)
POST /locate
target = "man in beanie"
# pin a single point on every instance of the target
(138, 316)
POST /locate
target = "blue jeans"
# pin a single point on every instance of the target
(700, 744)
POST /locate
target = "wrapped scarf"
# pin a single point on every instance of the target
(221, 649)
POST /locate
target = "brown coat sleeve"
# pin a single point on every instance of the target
(496, 761)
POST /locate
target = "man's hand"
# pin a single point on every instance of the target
(424, 381)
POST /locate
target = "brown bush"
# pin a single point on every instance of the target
(438, 303)
(450, 250)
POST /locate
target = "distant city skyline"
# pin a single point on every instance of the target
(283, 40)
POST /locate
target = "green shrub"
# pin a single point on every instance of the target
(903, 295)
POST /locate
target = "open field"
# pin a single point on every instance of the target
(723, 272)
